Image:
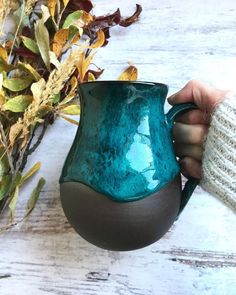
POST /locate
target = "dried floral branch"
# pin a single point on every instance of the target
(45, 52)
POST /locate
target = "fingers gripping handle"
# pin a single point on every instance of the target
(191, 183)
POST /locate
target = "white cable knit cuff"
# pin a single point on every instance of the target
(219, 158)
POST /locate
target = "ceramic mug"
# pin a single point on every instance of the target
(120, 185)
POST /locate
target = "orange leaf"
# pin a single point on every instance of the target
(87, 18)
(83, 65)
(130, 74)
(59, 41)
(52, 6)
(100, 40)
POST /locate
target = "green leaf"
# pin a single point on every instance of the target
(56, 98)
(30, 44)
(30, 70)
(72, 18)
(30, 173)
(13, 203)
(18, 103)
(4, 66)
(5, 184)
(71, 110)
(17, 84)
(42, 39)
(4, 164)
(34, 196)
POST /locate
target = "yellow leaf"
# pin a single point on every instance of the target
(59, 41)
(70, 120)
(100, 40)
(3, 53)
(2, 100)
(52, 7)
(66, 2)
(71, 110)
(83, 65)
(130, 74)
(91, 77)
(30, 173)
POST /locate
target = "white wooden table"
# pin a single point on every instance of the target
(173, 42)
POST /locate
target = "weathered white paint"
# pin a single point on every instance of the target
(173, 42)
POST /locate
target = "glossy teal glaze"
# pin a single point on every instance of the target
(123, 146)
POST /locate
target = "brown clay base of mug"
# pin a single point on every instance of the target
(120, 226)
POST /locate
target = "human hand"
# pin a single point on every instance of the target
(191, 129)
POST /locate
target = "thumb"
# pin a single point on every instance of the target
(204, 96)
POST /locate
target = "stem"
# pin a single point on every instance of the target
(17, 30)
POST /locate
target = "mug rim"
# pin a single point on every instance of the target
(125, 82)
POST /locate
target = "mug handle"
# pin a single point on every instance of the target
(191, 183)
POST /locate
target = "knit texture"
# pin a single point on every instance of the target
(219, 158)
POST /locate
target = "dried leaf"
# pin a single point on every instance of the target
(13, 203)
(54, 60)
(43, 110)
(100, 40)
(26, 53)
(37, 89)
(18, 103)
(30, 70)
(72, 19)
(59, 41)
(66, 2)
(85, 5)
(91, 77)
(52, 7)
(130, 74)
(71, 110)
(45, 13)
(17, 84)
(1, 81)
(30, 44)
(70, 120)
(133, 18)
(34, 196)
(30, 173)
(15, 131)
(83, 65)
(42, 38)
(3, 53)
(73, 91)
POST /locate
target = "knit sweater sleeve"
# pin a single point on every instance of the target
(219, 158)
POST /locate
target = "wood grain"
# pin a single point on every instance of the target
(172, 43)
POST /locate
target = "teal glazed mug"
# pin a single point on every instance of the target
(120, 185)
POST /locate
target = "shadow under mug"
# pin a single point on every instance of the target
(120, 185)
